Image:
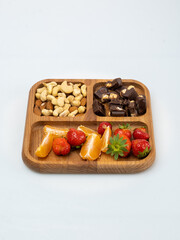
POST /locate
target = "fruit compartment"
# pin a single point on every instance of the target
(37, 134)
(140, 89)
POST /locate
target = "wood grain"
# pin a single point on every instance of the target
(73, 163)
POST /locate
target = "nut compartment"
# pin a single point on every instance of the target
(73, 163)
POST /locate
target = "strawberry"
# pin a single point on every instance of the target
(140, 148)
(75, 137)
(119, 146)
(140, 133)
(123, 129)
(61, 146)
(103, 126)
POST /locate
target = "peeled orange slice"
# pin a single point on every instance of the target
(106, 139)
(86, 130)
(49, 133)
(56, 132)
(45, 146)
(91, 149)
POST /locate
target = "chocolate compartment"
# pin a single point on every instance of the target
(139, 89)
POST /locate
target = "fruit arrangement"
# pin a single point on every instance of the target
(119, 144)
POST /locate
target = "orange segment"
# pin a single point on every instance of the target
(56, 132)
(91, 149)
(45, 146)
(49, 133)
(105, 139)
(86, 130)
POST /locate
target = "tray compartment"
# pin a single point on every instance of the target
(139, 88)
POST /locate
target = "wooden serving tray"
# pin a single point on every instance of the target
(73, 163)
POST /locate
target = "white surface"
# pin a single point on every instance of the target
(90, 39)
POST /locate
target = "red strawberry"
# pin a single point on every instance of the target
(103, 126)
(140, 133)
(119, 146)
(123, 129)
(61, 146)
(75, 137)
(140, 148)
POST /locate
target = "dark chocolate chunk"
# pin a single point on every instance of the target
(116, 83)
(118, 90)
(100, 92)
(105, 97)
(141, 104)
(116, 101)
(120, 113)
(122, 91)
(98, 108)
(132, 109)
(124, 102)
(129, 93)
(115, 107)
(113, 95)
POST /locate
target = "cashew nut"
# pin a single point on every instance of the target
(38, 95)
(46, 112)
(77, 85)
(50, 97)
(40, 90)
(43, 95)
(64, 113)
(55, 90)
(70, 98)
(83, 90)
(60, 101)
(62, 95)
(76, 103)
(57, 111)
(66, 88)
(72, 114)
(66, 106)
(81, 109)
(50, 86)
(66, 100)
(79, 97)
(54, 101)
(76, 91)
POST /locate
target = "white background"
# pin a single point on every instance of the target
(90, 39)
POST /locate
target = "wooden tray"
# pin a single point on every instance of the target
(73, 163)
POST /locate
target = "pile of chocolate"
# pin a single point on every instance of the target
(120, 100)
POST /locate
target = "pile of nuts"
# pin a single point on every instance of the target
(63, 100)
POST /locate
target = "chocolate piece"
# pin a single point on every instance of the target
(125, 102)
(116, 101)
(122, 91)
(105, 97)
(118, 90)
(100, 92)
(98, 108)
(116, 83)
(126, 111)
(141, 104)
(132, 109)
(115, 107)
(129, 93)
(113, 95)
(120, 113)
